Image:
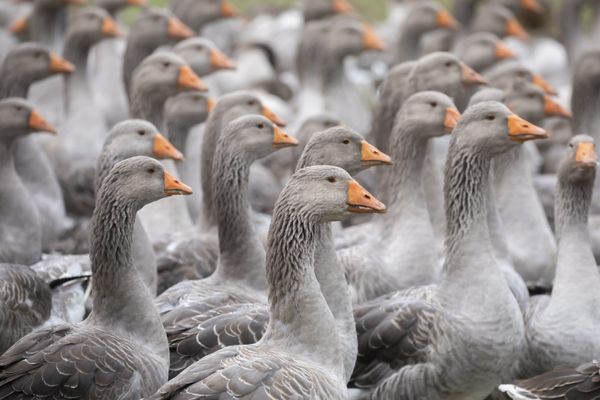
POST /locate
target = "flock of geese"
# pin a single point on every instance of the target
(270, 278)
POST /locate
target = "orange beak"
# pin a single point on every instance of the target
(553, 109)
(445, 20)
(110, 28)
(282, 139)
(38, 124)
(210, 104)
(521, 131)
(532, 5)
(59, 65)
(360, 201)
(173, 186)
(342, 7)
(503, 52)
(187, 79)
(371, 156)
(273, 117)
(178, 30)
(514, 28)
(544, 85)
(586, 154)
(469, 76)
(19, 26)
(137, 3)
(218, 60)
(228, 10)
(451, 119)
(162, 148)
(371, 40)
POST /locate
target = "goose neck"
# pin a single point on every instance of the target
(121, 302)
(135, 52)
(13, 83)
(332, 70)
(178, 132)
(44, 24)
(76, 85)
(408, 43)
(299, 315)
(6, 157)
(148, 105)
(241, 255)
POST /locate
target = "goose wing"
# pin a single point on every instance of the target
(69, 362)
(251, 372)
(193, 334)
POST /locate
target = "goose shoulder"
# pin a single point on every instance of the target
(24, 302)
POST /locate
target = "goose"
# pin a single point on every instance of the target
(158, 77)
(562, 383)
(239, 275)
(561, 329)
(25, 64)
(198, 14)
(24, 304)
(20, 226)
(123, 328)
(585, 94)
(319, 9)
(529, 238)
(464, 10)
(74, 153)
(482, 50)
(470, 319)
(183, 112)
(203, 56)
(504, 74)
(422, 17)
(499, 20)
(194, 332)
(406, 258)
(193, 254)
(301, 346)
(152, 28)
(106, 66)
(320, 64)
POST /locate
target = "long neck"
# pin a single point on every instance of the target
(106, 160)
(76, 51)
(121, 301)
(471, 279)
(13, 83)
(576, 267)
(241, 255)
(299, 315)
(408, 44)
(44, 25)
(135, 52)
(149, 106)
(178, 131)
(212, 132)
(332, 70)
(7, 165)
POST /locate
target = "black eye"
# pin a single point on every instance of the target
(571, 145)
(141, 132)
(19, 108)
(251, 102)
(531, 96)
(490, 117)
(433, 104)
(331, 179)
(39, 54)
(150, 170)
(448, 63)
(166, 64)
(260, 126)
(345, 141)
(199, 47)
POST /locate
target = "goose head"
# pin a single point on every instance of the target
(344, 148)
(530, 102)
(240, 103)
(481, 50)
(156, 27)
(504, 75)
(587, 68)
(433, 112)
(328, 193)
(255, 137)
(201, 12)
(498, 20)
(443, 72)
(491, 128)
(347, 36)
(162, 75)
(114, 6)
(35, 62)
(579, 162)
(137, 137)
(188, 108)
(90, 25)
(18, 118)
(142, 180)
(203, 56)
(317, 9)
(427, 16)
(316, 123)
(517, 6)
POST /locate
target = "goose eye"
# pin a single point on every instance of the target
(490, 117)
(332, 179)
(150, 170)
(19, 108)
(571, 145)
(199, 47)
(166, 64)
(448, 63)
(433, 104)
(251, 102)
(141, 133)
(38, 54)
(531, 96)
(345, 141)
(260, 126)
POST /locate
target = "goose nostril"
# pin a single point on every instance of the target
(367, 196)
